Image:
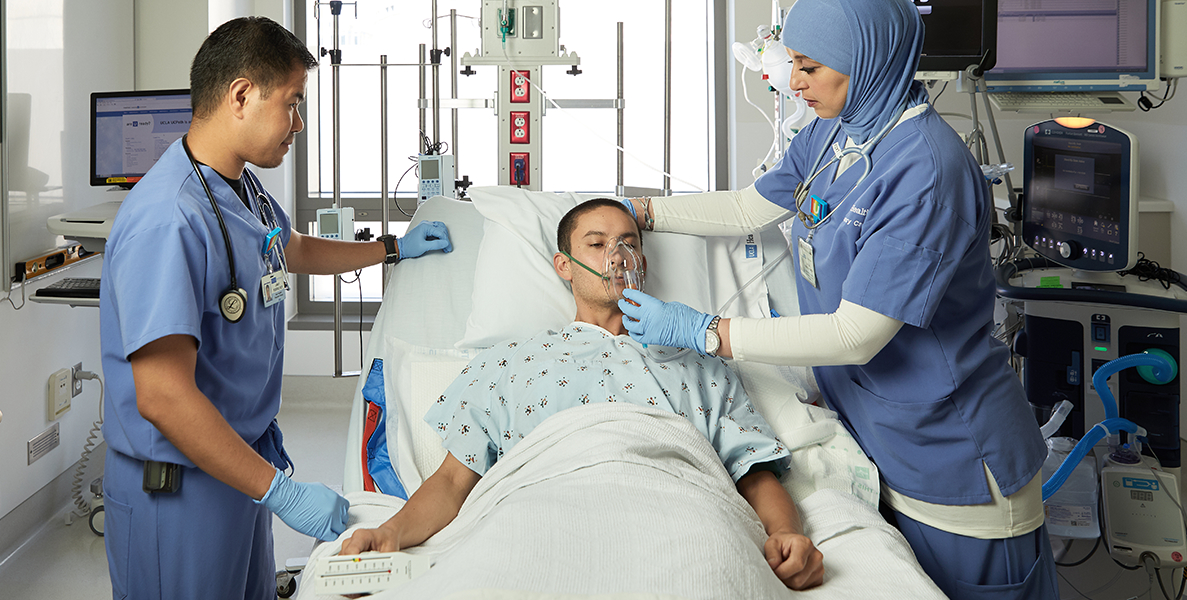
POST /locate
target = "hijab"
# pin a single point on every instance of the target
(876, 43)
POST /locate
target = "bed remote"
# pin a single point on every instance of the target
(366, 573)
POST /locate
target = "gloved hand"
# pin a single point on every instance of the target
(426, 236)
(310, 508)
(663, 323)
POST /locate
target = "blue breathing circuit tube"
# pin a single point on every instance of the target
(1155, 366)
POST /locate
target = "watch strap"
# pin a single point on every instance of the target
(391, 247)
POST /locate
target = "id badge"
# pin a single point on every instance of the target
(272, 288)
(807, 262)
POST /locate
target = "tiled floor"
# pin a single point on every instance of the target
(69, 561)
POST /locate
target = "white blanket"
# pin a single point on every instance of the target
(625, 501)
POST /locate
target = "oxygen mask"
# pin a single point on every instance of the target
(622, 268)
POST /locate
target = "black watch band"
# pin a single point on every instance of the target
(393, 249)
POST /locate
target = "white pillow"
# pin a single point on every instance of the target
(518, 294)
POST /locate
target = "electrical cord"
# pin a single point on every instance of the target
(1147, 105)
(1082, 560)
(1147, 269)
(9, 297)
(1161, 586)
(395, 194)
(942, 89)
(83, 509)
(358, 278)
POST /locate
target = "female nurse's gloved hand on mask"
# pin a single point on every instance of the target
(655, 322)
(426, 236)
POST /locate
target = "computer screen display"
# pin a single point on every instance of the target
(1075, 45)
(1081, 200)
(130, 131)
(957, 34)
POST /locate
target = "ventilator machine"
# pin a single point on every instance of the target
(1098, 331)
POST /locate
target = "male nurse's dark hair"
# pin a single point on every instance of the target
(256, 48)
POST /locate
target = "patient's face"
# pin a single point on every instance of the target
(595, 231)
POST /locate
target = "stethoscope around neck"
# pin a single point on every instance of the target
(233, 302)
(865, 151)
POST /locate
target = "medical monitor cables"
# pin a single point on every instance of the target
(233, 303)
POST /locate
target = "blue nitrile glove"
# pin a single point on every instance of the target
(426, 236)
(630, 206)
(655, 322)
(310, 508)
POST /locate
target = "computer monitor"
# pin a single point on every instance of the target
(1075, 45)
(1081, 204)
(130, 131)
(958, 34)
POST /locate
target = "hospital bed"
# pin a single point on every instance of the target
(440, 310)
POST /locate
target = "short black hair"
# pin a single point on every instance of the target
(564, 230)
(256, 48)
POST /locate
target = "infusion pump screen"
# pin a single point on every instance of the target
(1076, 188)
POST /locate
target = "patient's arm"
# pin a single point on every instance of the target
(429, 510)
(792, 556)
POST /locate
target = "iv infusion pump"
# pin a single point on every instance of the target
(436, 176)
(336, 223)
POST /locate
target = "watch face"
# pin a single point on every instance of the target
(711, 341)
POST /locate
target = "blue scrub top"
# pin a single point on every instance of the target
(912, 242)
(164, 269)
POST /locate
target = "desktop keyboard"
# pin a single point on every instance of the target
(71, 287)
(1060, 102)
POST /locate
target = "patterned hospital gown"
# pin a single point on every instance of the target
(511, 388)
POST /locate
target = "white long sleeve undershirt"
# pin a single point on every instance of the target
(850, 336)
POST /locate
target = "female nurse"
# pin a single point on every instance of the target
(890, 226)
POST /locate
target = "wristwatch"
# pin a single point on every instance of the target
(712, 340)
(393, 250)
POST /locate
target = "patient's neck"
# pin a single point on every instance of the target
(608, 318)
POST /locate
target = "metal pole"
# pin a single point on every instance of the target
(422, 97)
(383, 156)
(436, 60)
(667, 97)
(620, 189)
(337, 159)
(453, 86)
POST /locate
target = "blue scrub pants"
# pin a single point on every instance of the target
(966, 568)
(205, 541)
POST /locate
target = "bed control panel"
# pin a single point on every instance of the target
(365, 573)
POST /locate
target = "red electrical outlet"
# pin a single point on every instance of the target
(519, 168)
(520, 87)
(519, 127)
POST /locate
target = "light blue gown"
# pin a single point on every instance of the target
(509, 389)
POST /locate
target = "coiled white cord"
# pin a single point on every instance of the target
(84, 508)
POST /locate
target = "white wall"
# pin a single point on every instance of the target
(55, 47)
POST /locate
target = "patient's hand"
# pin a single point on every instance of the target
(795, 560)
(381, 539)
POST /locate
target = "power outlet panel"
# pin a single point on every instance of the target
(75, 382)
(59, 394)
(519, 168)
(521, 91)
(520, 133)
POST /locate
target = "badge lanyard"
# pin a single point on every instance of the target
(274, 285)
(819, 210)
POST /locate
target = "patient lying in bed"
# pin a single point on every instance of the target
(510, 389)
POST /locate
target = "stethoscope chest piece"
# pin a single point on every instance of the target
(233, 304)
